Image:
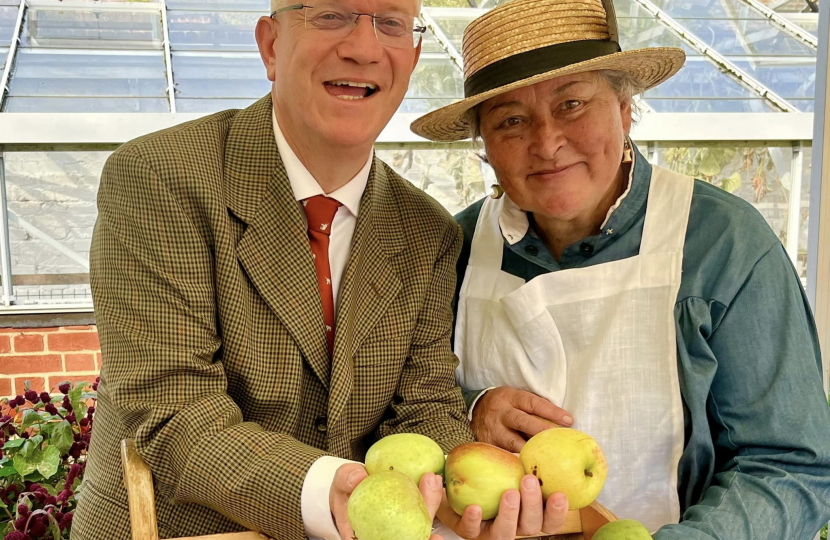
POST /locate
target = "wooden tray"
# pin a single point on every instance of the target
(138, 480)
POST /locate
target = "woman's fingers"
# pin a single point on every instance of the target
(506, 523)
(555, 512)
(532, 512)
(432, 489)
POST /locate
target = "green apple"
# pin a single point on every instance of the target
(409, 453)
(388, 505)
(568, 461)
(480, 473)
(624, 529)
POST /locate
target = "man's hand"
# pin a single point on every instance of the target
(507, 417)
(347, 478)
(521, 513)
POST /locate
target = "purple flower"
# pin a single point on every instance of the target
(22, 509)
(37, 528)
(67, 404)
(45, 397)
(20, 524)
(34, 487)
(75, 450)
(83, 422)
(14, 535)
(24, 435)
(76, 436)
(70, 417)
(13, 403)
(89, 412)
(32, 396)
(65, 521)
(65, 388)
(51, 409)
(51, 500)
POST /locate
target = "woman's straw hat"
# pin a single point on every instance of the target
(524, 42)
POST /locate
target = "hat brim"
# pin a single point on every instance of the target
(649, 67)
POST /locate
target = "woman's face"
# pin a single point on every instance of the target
(556, 146)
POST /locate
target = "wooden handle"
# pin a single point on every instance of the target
(138, 479)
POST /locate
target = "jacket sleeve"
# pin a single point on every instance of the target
(153, 286)
(427, 399)
(768, 414)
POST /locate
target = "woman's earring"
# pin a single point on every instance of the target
(497, 191)
(628, 153)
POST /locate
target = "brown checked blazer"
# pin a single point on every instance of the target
(214, 348)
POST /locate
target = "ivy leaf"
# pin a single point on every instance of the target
(62, 436)
(30, 416)
(15, 443)
(731, 183)
(50, 460)
(7, 470)
(25, 465)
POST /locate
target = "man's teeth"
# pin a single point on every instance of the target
(370, 86)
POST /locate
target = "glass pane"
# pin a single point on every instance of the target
(8, 18)
(454, 26)
(641, 33)
(212, 31)
(630, 8)
(708, 9)
(710, 105)
(698, 78)
(108, 82)
(451, 3)
(9, 2)
(747, 37)
(810, 26)
(211, 105)
(791, 6)
(51, 203)
(263, 6)
(804, 227)
(804, 105)
(4, 54)
(787, 78)
(225, 76)
(758, 175)
(436, 82)
(455, 178)
(81, 28)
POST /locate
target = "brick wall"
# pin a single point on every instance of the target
(47, 356)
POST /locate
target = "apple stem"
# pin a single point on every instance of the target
(589, 473)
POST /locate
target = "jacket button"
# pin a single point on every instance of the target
(532, 250)
(585, 248)
(321, 423)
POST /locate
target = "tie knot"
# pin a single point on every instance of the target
(319, 211)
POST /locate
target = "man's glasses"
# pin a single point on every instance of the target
(392, 28)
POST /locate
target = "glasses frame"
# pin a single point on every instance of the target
(417, 31)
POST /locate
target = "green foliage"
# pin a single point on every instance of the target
(44, 441)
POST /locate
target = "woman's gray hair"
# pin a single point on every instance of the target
(624, 85)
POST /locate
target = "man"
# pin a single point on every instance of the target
(269, 296)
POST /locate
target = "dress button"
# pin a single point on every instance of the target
(321, 423)
(531, 250)
(585, 248)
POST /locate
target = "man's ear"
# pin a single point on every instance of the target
(267, 30)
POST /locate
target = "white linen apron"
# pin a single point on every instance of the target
(598, 341)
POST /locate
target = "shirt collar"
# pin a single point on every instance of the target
(303, 183)
(515, 225)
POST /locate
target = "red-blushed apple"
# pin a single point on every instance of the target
(479, 473)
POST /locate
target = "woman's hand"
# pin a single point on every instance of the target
(521, 513)
(507, 417)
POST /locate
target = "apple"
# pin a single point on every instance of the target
(409, 453)
(624, 529)
(480, 473)
(388, 505)
(568, 461)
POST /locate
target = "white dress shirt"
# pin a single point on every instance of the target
(316, 513)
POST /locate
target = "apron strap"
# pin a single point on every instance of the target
(488, 241)
(667, 212)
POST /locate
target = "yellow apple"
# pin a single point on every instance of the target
(623, 529)
(568, 461)
(480, 473)
(409, 453)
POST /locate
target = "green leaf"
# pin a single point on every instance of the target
(732, 183)
(36, 440)
(28, 448)
(62, 436)
(54, 530)
(49, 462)
(7, 470)
(29, 417)
(14, 443)
(75, 398)
(26, 465)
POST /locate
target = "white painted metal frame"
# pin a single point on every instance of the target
(168, 61)
(4, 79)
(818, 251)
(725, 64)
(443, 40)
(789, 26)
(5, 250)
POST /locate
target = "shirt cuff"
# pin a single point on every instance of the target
(317, 518)
(473, 404)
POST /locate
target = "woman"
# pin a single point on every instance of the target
(660, 313)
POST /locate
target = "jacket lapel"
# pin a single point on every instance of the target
(370, 283)
(274, 248)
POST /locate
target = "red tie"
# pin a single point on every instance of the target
(320, 212)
